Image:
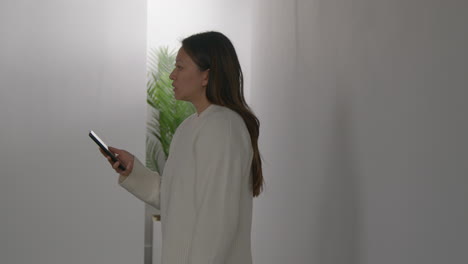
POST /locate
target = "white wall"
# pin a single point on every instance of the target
(67, 67)
(363, 114)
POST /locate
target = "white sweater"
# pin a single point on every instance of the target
(205, 194)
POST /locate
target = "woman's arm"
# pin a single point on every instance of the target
(143, 183)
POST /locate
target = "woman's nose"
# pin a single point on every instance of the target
(171, 76)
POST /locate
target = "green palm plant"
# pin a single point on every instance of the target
(166, 112)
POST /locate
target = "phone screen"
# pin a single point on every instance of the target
(94, 136)
(104, 147)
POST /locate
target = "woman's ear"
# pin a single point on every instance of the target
(206, 77)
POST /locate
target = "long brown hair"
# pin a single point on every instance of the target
(213, 50)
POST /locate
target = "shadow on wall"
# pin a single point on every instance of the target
(338, 221)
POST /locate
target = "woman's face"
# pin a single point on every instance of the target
(188, 81)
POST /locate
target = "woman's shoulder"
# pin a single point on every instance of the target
(225, 121)
(224, 114)
(220, 125)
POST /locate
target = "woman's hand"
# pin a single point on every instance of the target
(124, 157)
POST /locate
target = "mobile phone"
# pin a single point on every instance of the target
(104, 147)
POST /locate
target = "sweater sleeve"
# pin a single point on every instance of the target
(221, 158)
(143, 183)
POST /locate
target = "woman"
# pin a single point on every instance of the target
(214, 168)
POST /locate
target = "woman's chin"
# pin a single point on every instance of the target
(177, 97)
